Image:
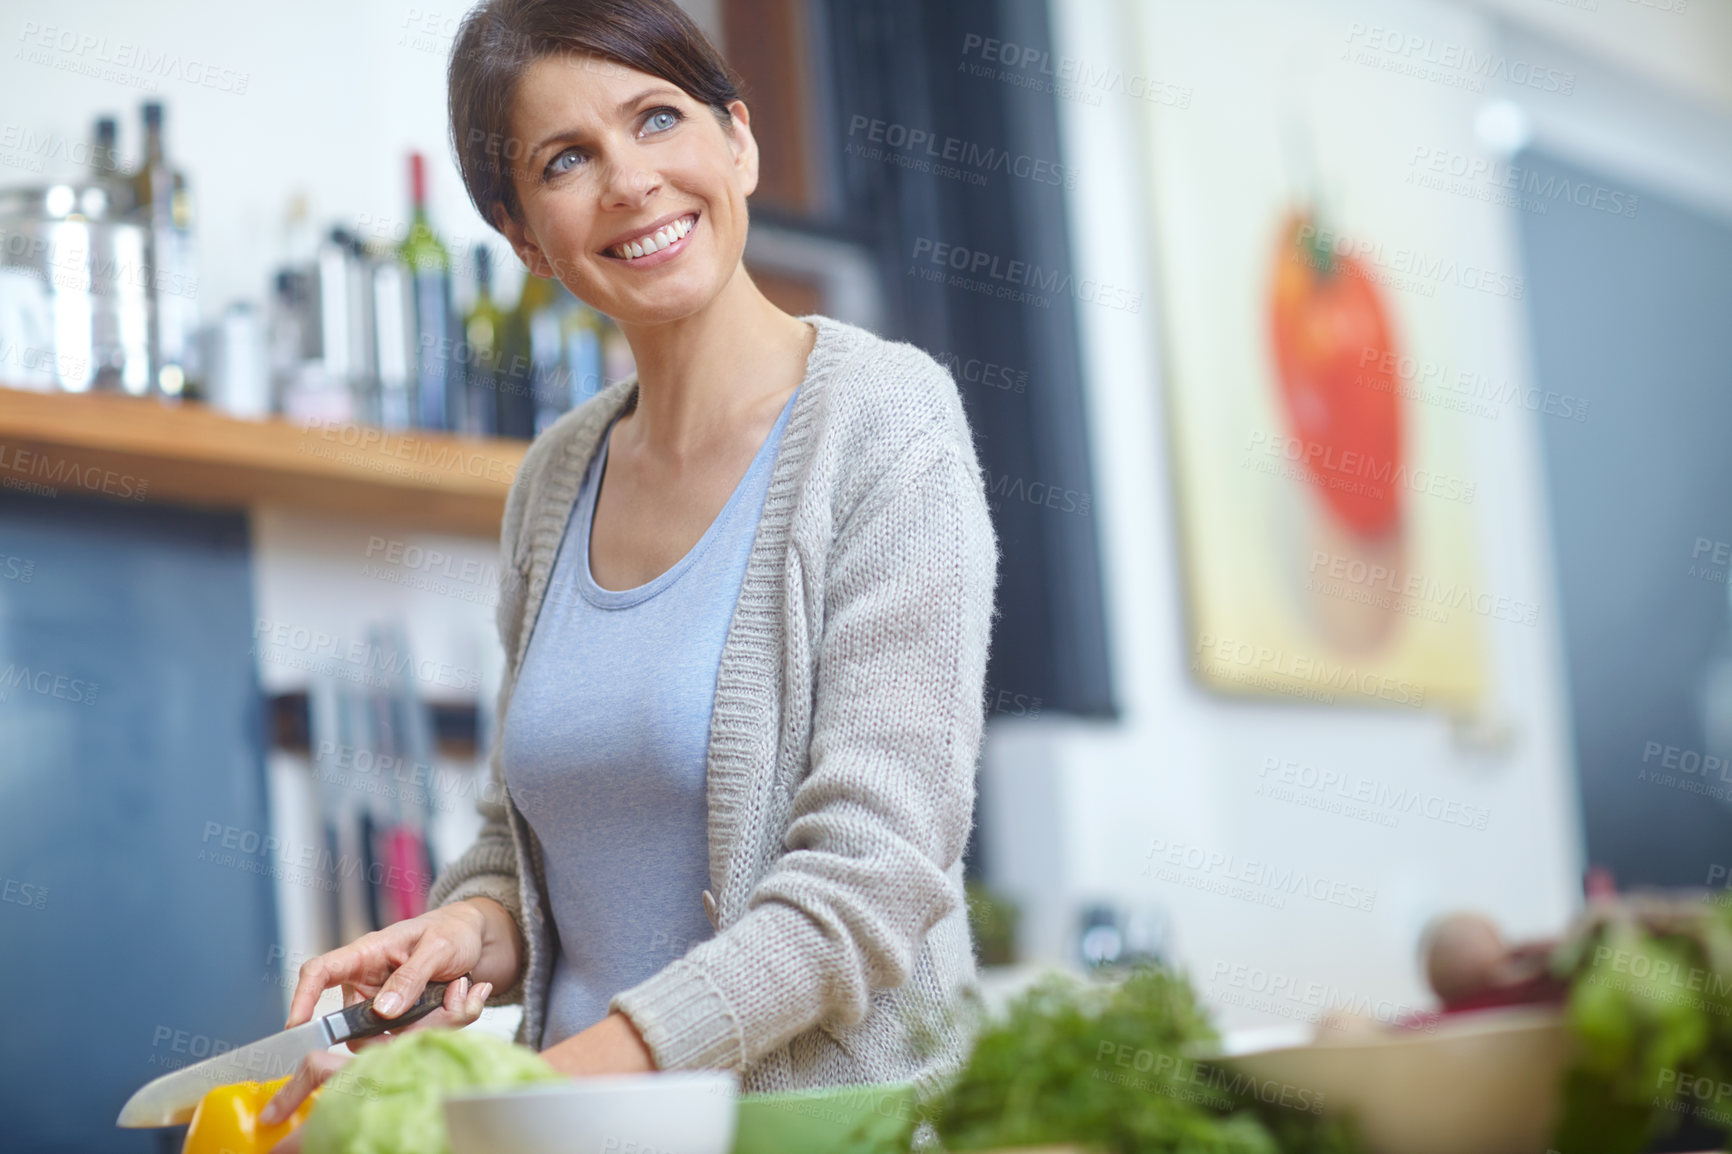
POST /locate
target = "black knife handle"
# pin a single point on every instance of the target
(359, 1020)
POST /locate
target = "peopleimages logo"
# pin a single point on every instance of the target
(1171, 1074)
(1260, 881)
(1428, 167)
(1408, 587)
(981, 271)
(1067, 76)
(1469, 64)
(1352, 471)
(93, 55)
(1393, 266)
(1290, 997)
(1378, 797)
(47, 683)
(924, 146)
(41, 147)
(1280, 671)
(1461, 389)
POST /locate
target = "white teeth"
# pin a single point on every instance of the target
(658, 240)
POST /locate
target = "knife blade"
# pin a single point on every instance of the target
(171, 1099)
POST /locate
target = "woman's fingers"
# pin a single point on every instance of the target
(364, 963)
(464, 1002)
(359, 963)
(460, 1009)
(351, 996)
(314, 979)
(291, 1144)
(397, 962)
(428, 963)
(477, 1001)
(308, 1076)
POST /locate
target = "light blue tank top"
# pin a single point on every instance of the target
(606, 743)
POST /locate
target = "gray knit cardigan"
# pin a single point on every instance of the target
(846, 728)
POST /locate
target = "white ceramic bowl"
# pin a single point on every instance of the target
(676, 1113)
(1487, 1081)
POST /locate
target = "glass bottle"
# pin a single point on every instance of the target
(483, 337)
(437, 390)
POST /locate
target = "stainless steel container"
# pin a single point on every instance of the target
(75, 299)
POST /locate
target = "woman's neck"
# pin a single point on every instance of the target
(698, 374)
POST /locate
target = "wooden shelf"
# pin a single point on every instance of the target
(132, 448)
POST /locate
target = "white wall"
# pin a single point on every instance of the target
(1682, 45)
(319, 585)
(1070, 810)
(320, 98)
(264, 101)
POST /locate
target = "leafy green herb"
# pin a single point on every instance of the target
(1650, 1008)
(1105, 1065)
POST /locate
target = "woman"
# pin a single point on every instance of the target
(745, 615)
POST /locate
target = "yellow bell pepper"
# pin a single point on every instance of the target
(227, 1119)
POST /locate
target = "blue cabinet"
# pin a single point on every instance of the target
(138, 924)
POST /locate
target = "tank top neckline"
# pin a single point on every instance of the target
(625, 598)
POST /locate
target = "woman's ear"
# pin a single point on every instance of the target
(744, 145)
(522, 243)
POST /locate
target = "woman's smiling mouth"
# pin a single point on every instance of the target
(655, 245)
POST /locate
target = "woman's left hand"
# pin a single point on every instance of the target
(315, 1069)
(611, 1046)
(463, 1005)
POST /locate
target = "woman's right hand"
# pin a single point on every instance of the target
(474, 937)
(463, 1004)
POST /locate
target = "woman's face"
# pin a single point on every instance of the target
(611, 157)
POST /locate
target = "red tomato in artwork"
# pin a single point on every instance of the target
(1335, 358)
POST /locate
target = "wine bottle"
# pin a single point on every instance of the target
(553, 373)
(104, 161)
(343, 306)
(437, 389)
(483, 337)
(291, 333)
(395, 349)
(332, 328)
(581, 334)
(153, 183)
(527, 363)
(164, 201)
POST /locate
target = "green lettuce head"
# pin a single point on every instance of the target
(389, 1099)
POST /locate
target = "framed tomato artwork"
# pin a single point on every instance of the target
(1319, 315)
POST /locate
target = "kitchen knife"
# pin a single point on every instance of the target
(170, 1099)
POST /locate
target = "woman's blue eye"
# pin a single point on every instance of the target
(555, 168)
(660, 120)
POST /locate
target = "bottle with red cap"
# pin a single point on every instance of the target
(437, 395)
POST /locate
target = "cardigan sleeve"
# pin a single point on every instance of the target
(488, 869)
(886, 807)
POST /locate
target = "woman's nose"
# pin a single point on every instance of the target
(629, 185)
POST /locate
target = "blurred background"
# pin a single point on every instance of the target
(1352, 381)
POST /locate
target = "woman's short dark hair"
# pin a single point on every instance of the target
(498, 41)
